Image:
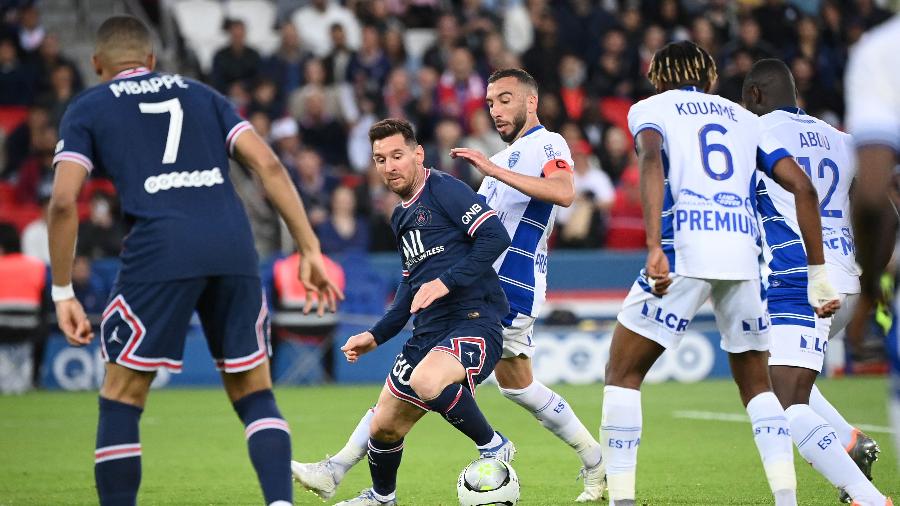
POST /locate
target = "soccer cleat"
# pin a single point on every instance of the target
(505, 451)
(594, 483)
(864, 451)
(367, 498)
(317, 477)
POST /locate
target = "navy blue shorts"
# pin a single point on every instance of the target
(145, 324)
(477, 346)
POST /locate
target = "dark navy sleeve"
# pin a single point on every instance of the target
(75, 138)
(232, 123)
(396, 316)
(472, 216)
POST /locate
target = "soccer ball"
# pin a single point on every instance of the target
(486, 482)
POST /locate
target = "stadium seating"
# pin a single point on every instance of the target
(259, 18)
(200, 23)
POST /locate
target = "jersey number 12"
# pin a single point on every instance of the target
(176, 117)
(826, 163)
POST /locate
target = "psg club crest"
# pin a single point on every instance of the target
(422, 216)
(514, 159)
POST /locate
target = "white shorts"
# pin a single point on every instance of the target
(518, 336)
(737, 304)
(799, 337)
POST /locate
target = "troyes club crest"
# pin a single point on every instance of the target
(422, 216)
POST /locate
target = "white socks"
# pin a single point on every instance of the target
(620, 435)
(819, 444)
(773, 440)
(557, 416)
(823, 408)
(355, 448)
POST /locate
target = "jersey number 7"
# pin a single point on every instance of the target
(173, 138)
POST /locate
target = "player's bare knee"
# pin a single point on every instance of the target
(425, 385)
(125, 385)
(514, 373)
(384, 431)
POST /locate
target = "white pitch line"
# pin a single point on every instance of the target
(741, 418)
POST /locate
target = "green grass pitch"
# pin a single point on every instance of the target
(194, 453)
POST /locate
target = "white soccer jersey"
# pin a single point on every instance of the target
(825, 154)
(711, 150)
(873, 87)
(529, 222)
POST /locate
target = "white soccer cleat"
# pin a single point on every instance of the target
(367, 498)
(594, 483)
(317, 477)
(505, 451)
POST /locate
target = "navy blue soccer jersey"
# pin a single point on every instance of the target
(446, 231)
(165, 141)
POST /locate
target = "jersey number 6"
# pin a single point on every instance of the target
(707, 148)
(173, 138)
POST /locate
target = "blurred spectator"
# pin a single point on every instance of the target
(101, 235)
(518, 32)
(545, 49)
(422, 111)
(359, 148)
(380, 231)
(314, 184)
(22, 312)
(870, 14)
(36, 171)
(31, 32)
(339, 58)
(616, 154)
(813, 96)
(261, 123)
(368, 68)
(671, 20)
(626, 222)
(344, 231)
(62, 90)
(749, 40)
(477, 21)
(321, 130)
(239, 96)
(704, 35)
(237, 61)
(398, 94)
(49, 58)
(35, 239)
(776, 19)
(20, 142)
(654, 39)
(828, 67)
(285, 137)
(89, 286)
(495, 55)
(448, 135)
(394, 48)
(483, 136)
(16, 80)
(632, 24)
(573, 74)
(582, 25)
(285, 65)
(437, 56)
(731, 81)
(551, 111)
(314, 23)
(583, 224)
(264, 99)
(461, 90)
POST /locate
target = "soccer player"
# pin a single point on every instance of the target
(698, 154)
(799, 337)
(873, 117)
(165, 142)
(524, 183)
(448, 239)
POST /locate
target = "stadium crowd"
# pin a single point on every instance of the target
(341, 66)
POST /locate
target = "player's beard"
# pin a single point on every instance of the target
(518, 125)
